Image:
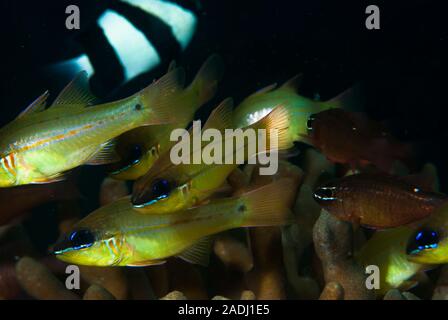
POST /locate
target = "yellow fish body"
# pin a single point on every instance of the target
(153, 141)
(166, 187)
(300, 108)
(118, 235)
(386, 249)
(41, 144)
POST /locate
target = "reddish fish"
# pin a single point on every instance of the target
(351, 138)
(377, 200)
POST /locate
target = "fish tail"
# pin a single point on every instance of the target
(158, 99)
(270, 205)
(205, 84)
(278, 119)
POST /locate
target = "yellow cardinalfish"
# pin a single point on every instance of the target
(40, 145)
(387, 250)
(118, 235)
(142, 146)
(429, 243)
(259, 104)
(168, 187)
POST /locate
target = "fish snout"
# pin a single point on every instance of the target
(325, 195)
(78, 239)
(310, 122)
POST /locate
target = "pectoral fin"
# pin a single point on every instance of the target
(198, 253)
(106, 154)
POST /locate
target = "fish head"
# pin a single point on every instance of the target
(85, 246)
(310, 123)
(319, 128)
(328, 125)
(139, 160)
(428, 244)
(330, 197)
(160, 195)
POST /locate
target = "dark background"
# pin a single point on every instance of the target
(402, 68)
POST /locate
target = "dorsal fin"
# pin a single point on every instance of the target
(77, 92)
(349, 100)
(221, 116)
(198, 253)
(294, 83)
(36, 106)
(265, 89)
(172, 66)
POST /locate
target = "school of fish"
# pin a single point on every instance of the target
(175, 210)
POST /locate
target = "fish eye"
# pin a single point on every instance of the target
(310, 122)
(76, 240)
(423, 239)
(324, 194)
(160, 189)
(135, 153)
(81, 239)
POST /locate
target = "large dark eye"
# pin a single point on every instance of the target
(423, 239)
(324, 194)
(81, 239)
(160, 189)
(135, 153)
(310, 122)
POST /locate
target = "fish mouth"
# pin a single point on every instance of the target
(76, 240)
(134, 160)
(61, 247)
(142, 201)
(138, 200)
(126, 167)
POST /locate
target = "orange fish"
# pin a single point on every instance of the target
(377, 200)
(353, 139)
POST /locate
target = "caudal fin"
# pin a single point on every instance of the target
(205, 83)
(158, 99)
(270, 205)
